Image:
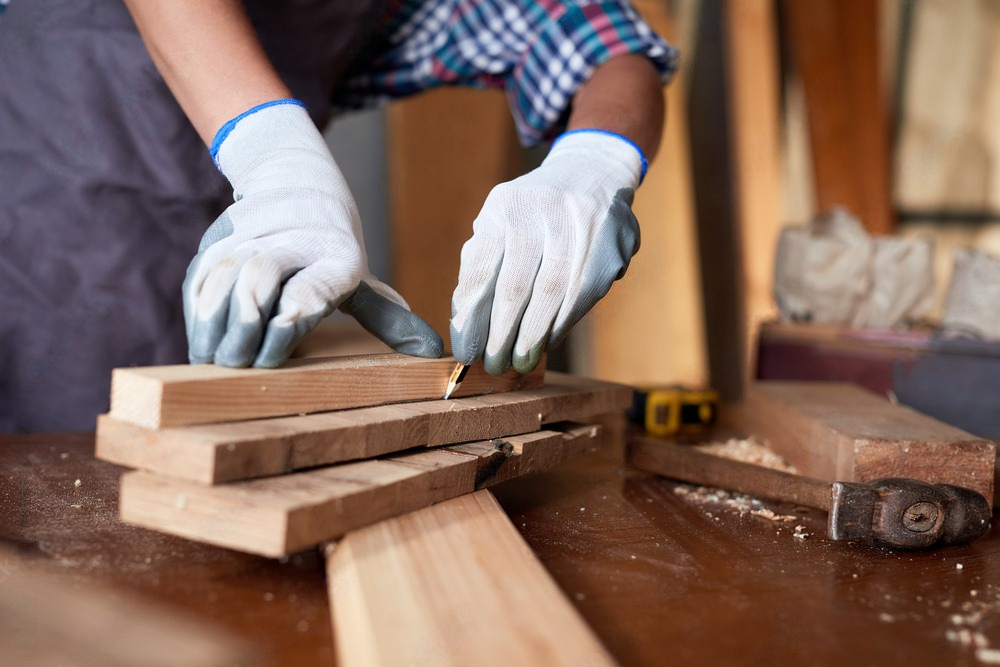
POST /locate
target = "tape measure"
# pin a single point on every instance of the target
(674, 409)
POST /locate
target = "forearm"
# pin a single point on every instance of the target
(209, 56)
(624, 95)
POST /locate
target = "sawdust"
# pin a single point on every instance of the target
(973, 615)
(748, 450)
(739, 502)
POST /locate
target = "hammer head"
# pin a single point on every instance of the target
(906, 513)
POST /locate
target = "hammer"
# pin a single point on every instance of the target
(895, 512)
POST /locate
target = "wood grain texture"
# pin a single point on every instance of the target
(662, 288)
(46, 622)
(753, 77)
(163, 396)
(948, 157)
(216, 453)
(688, 464)
(841, 432)
(451, 585)
(835, 50)
(280, 515)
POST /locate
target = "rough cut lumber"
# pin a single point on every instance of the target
(45, 622)
(280, 515)
(161, 396)
(216, 453)
(451, 585)
(841, 432)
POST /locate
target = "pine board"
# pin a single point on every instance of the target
(164, 396)
(279, 515)
(216, 453)
(451, 585)
(841, 432)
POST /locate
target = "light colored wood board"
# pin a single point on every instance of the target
(451, 585)
(44, 622)
(754, 117)
(841, 432)
(275, 516)
(948, 155)
(447, 149)
(216, 453)
(662, 288)
(162, 396)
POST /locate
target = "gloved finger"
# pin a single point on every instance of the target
(380, 310)
(614, 243)
(208, 295)
(251, 302)
(515, 283)
(306, 298)
(546, 298)
(194, 278)
(472, 301)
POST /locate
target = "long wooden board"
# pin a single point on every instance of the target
(216, 453)
(162, 396)
(451, 585)
(280, 515)
(50, 622)
(841, 432)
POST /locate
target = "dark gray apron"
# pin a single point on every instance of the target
(106, 189)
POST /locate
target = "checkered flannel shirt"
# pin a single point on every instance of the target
(540, 53)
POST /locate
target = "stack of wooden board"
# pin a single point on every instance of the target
(273, 461)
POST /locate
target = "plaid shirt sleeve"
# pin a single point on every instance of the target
(539, 52)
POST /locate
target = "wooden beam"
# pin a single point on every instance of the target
(662, 288)
(835, 50)
(216, 453)
(841, 432)
(754, 117)
(451, 585)
(280, 515)
(162, 396)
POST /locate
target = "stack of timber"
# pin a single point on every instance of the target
(274, 461)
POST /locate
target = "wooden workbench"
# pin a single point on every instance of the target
(661, 579)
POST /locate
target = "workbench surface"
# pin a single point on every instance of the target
(662, 577)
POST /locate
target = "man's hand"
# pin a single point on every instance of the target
(287, 252)
(545, 248)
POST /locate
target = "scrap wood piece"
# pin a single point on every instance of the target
(215, 453)
(841, 432)
(276, 516)
(43, 622)
(162, 396)
(453, 584)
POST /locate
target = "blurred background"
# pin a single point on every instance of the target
(782, 110)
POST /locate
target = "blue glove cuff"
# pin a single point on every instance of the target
(594, 130)
(228, 126)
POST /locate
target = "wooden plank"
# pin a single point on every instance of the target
(841, 432)
(215, 453)
(451, 585)
(280, 515)
(45, 622)
(447, 149)
(835, 50)
(948, 158)
(162, 396)
(753, 83)
(662, 288)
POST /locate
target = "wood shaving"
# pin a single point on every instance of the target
(740, 502)
(748, 450)
(969, 621)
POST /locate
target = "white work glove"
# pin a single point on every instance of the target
(287, 253)
(545, 248)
